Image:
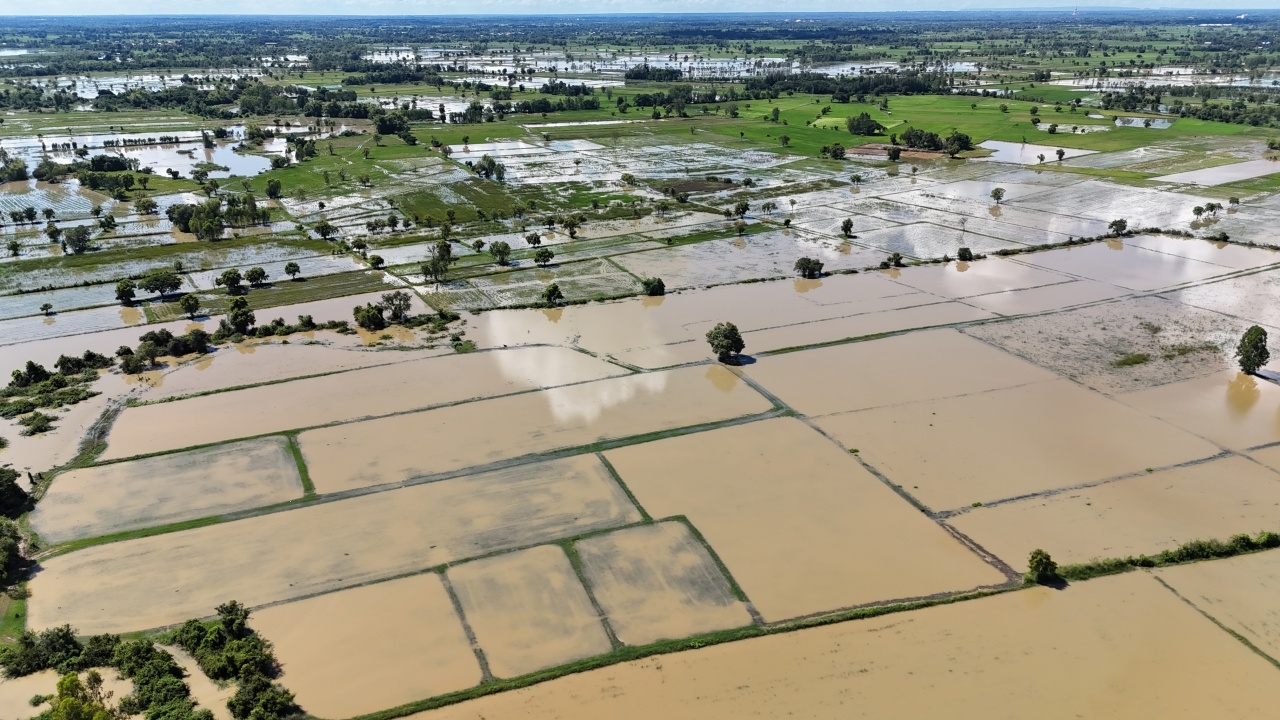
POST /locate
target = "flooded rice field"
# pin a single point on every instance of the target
(729, 484)
(383, 390)
(352, 541)
(416, 511)
(156, 491)
(528, 610)
(1224, 173)
(1126, 627)
(368, 648)
(1040, 450)
(388, 450)
(658, 582)
(1133, 516)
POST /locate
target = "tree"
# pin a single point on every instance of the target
(894, 153)
(846, 227)
(146, 206)
(1197, 211)
(956, 143)
(52, 231)
(148, 351)
(1118, 227)
(808, 268)
(543, 257)
(132, 364)
(1061, 154)
(369, 316)
(1040, 157)
(438, 264)
(997, 194)
(863, 125)
(190, 305)
(1043, 569)
(653, 286)
(785, 140)
(77, 239)
(161, 282)
(741, 208)
(725, 340)
(125, 291)
(500, 251)
(397, 303)
(230, 279)
(376, 262)
(533, 239)
(1252, 350)
(964, 254)
(325, 229)
(46, 308)
(14, 248)
(239, 316)
(292, 270)
(273, 189)
(552, 294)
(255, 276)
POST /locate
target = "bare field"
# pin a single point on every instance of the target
(1239, 592)
(1134, 516)
(346, 396)
(1086, 344)
(999, 444)
(107, 499)
(528, 610)
(658, 582)
(1129, 647)
(369, 648)
(774, 498)
(895, 370)
(324, 547)
(1234, 410)
(390, 450)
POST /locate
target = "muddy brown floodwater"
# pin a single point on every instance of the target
(1129, 647)
(369, 648)
(323, 547)
(155, 491)
(1140, 515)
(770, 496)
(528, 610)
(366, 392)
(390, 450)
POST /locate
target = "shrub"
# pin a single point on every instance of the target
(725, 340)
(1043, 569)
(1252, 351)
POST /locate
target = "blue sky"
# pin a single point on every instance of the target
(485, 7)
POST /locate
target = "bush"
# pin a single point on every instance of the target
(1252, 351)
(1043, 569)
(653, 286)
(725, 340)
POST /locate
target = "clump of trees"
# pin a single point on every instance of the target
(35, 387)
(1042, 569)
(725, 340)
(653, 286)
(1252, 351)
(863, 124)
(808, 268)
(228, 650)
